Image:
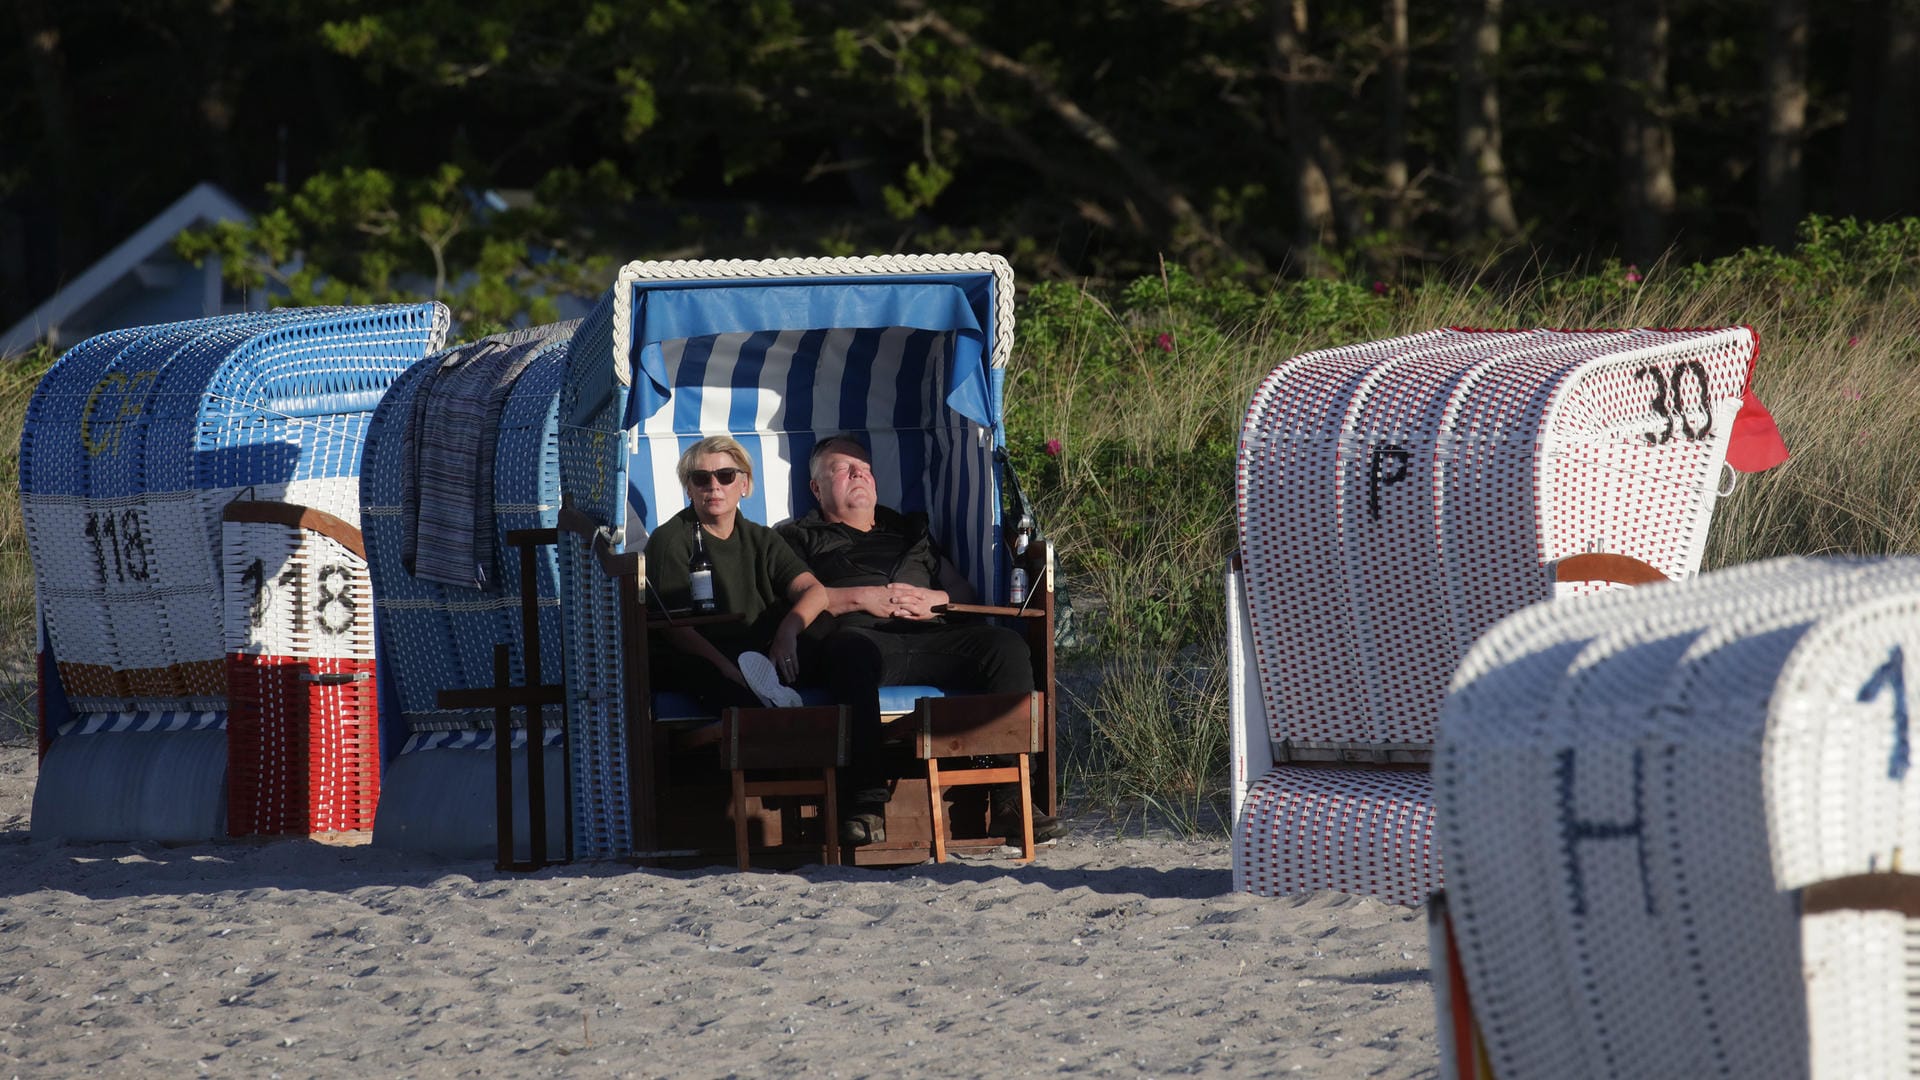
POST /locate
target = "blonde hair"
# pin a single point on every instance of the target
(715, 444)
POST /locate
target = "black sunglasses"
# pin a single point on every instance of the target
(701, 477)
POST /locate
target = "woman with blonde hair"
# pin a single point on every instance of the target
(756, 576)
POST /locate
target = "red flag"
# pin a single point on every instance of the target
(1756, 445)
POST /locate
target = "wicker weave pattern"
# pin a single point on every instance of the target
(1367, 832)
(1860, 981)
(302, 730)
(596, 703)
(817, 269)
(1619, 793)
(1458, 464)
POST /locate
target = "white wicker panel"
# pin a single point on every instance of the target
(1621, 476)
(1860, 993)
(65, 579)
(1842, 791)
(1290, 445)
(1571, 961)
(1397, 498)
(1362, 831)
(289, 592)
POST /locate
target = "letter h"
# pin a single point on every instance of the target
(1573, 830)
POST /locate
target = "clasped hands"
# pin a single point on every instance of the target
(902, 601)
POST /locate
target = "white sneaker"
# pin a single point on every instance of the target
(766, 683)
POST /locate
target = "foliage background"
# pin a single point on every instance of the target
(1083, 140)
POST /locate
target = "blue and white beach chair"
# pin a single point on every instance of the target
(134, 446)
(909, 351)
(463, 452)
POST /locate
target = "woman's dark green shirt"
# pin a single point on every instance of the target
(752, 571)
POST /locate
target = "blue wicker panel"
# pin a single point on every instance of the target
(437, 637)
(592, 467)
(52, 459)
(592, 461)
(596, 705)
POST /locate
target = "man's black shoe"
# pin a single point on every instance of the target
(1004, 820)
(863, 827)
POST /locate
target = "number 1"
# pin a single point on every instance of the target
(1892, 674)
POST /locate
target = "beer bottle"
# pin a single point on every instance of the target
(1022, 536)
(700, 574)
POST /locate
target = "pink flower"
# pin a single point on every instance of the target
(1165, 341)
(1853, 340)
(1053, 445)
(1379, 288)
(1853, 394)
(1633, 275)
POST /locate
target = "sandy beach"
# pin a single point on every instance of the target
(1110, 955)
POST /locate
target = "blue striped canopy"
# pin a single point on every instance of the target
(666, 314)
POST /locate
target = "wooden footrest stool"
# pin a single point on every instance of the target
(979, 725)
(759, 740)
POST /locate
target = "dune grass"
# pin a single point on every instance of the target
(17, 630)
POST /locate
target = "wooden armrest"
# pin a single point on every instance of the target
(657, 621)
(1864, 892)
(298, 517)
(1031, 611)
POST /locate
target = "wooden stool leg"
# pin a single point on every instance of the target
(830, 813)
(1026, 812)
(740, 817)
(939, 810)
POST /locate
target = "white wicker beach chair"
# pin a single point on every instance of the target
(1396, 499)
(1673, 823)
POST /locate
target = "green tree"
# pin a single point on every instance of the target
(360, 236)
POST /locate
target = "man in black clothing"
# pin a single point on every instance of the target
(887, 581)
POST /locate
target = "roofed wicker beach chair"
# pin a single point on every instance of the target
(907, 351)
(462, 455)
(191, 499)
(1397, 498)
(1675, 821)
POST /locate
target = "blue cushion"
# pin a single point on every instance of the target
(900, 699)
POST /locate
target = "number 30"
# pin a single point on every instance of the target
(1669, 400)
